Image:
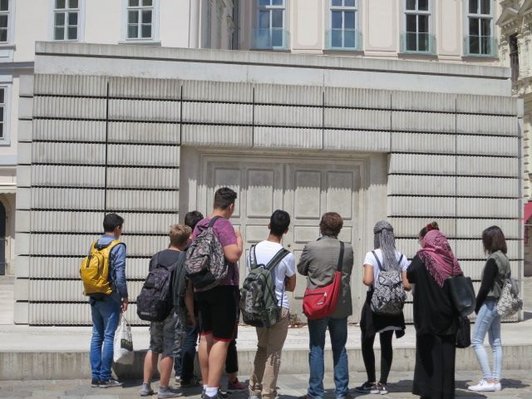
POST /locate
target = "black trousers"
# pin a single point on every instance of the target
(386, 355)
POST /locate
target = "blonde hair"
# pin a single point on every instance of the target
(179, 234)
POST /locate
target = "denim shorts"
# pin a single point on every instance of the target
(163, 335)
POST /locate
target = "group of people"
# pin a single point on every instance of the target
(214, 314)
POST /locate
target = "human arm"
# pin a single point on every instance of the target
(118, 263)
(488, 279)
(189, 303)
(367, 277)
(304, 262)
(406, 283)
(230, 239)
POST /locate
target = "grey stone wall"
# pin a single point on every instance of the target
(100, 142)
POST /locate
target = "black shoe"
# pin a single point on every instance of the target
(110, 384)
(366, 387)
(95, 383)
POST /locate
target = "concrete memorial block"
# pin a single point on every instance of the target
(144, 110)
(153, 223)
(492, 207)
(133, 87)
(487, 186)
(68, 153)
(473, 249)
(288, 95)
(69, 130)
(217, 135)
(25, 108)
(488, 166)
(24, 195)
(472, 228)
(67, 198)
(492, 105)
(423, 143)
(217, 113)
(487, 145)
(26, 85)
(418, 122)
(357, 98)
(70, 85)
(143, 200)
(61, 221)
(423, 101)
(143, 132)
(143, 155)
(24, 130)
(68, 175)
(419, 164)
(421, 185)
(24, 153)
(69, 107)
(408, 227)
(225, 92)
(289, 138)
(68, 290)
(429, 207)
(360, 119)
(356, 140)
(500, 125)
(282, 115)
(139, 178)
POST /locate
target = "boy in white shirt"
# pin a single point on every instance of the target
(263, 380)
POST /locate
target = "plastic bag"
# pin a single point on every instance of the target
(123, 343)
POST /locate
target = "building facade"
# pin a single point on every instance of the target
(386, 125)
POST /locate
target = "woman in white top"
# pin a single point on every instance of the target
(383, 258)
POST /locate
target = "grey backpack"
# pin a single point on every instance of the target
(205, 262)
(258, 301)
(389, 295)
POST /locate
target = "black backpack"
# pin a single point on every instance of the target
(156, 298)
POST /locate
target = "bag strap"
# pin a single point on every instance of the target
(277, 258)
(213, 220)
(377, 259)
(340, 257)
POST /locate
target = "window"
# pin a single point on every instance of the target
(66, 19)
(417, 37)
(480, 21)
(140, 19)
(270, 32)
(343, 32)
(4, 21)
(3, 133)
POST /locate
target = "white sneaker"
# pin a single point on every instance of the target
(498, 386)
(482, 386)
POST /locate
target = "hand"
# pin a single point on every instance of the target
(124, 305)
(191, 321)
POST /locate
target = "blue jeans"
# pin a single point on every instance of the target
(338, 335)
(184, 360)
(488, 321)
(105, 317)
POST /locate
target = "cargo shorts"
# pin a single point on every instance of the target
(166, 335)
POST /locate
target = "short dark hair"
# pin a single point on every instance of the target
(223, 198)
(331, 223)
(493, 240)
(279, 222)
(192, 218)
(111, 221)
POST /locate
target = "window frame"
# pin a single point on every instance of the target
(6, 139)
(284, 29)
(81, 22)
(343, 8)
(468, 15)
(10, 24)
(431, 50)
(154, 23)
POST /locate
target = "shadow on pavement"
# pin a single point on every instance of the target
(510, 383)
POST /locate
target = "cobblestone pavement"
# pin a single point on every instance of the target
(517, 384)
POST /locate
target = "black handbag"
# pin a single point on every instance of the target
(462, 294)
(463, 334)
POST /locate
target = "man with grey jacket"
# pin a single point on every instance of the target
(318, 262)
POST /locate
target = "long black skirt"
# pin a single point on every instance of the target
(434, 371)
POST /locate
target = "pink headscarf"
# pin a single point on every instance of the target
(438, 257)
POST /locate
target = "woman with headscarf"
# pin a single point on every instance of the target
(435, 318)
(383, 258)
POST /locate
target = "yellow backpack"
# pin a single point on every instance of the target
(94, 270)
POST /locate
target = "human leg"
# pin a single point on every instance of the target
(259, 362)
(188, 354)
(482, 325)
(110, 311)
(368, 355)
(494, 334)
(276, 338)
(316, 329)
(338, 334)
(386, 355)
(96, 343)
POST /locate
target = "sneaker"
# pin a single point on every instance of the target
(498, 386)
(193, 382)
(366, 387)
(235, 386)
(95, 383)
(168, 392)
(110, 383)
(383, 389)
(217, 396)
(146, 390)
(482, 386)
